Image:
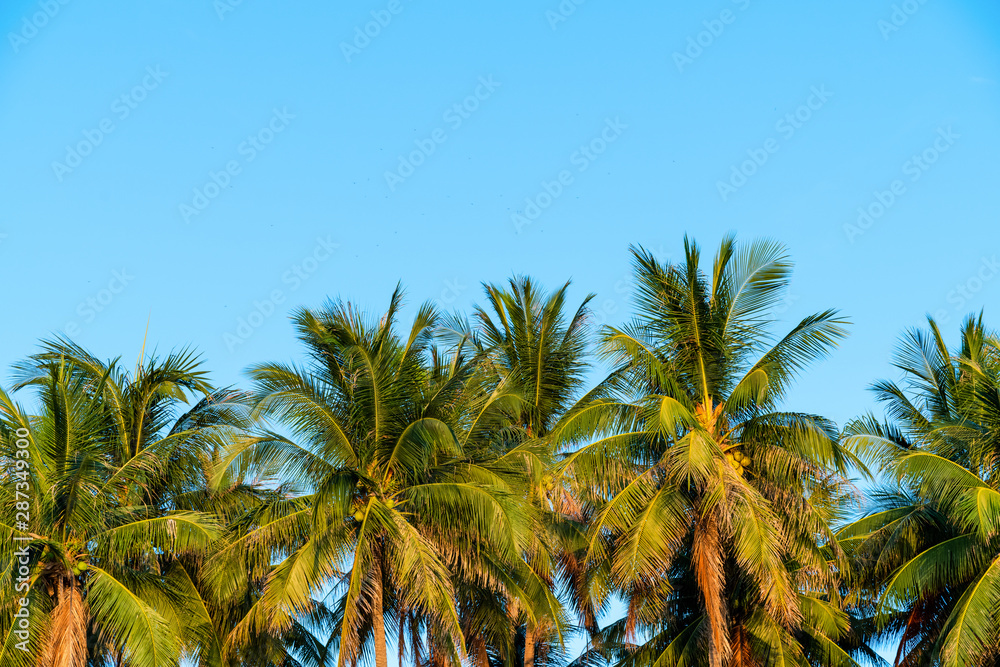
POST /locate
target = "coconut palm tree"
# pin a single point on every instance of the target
(91, 514)
(244, 507)
(389, 504)
(532, 344)
(929, 552)
(711, 505)
(529, 345)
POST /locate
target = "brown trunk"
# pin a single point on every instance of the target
(529, 646)
(378, 623)
(67, 642)
(707, 560)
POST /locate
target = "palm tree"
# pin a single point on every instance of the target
(929, 554)
(389, 505)
(530, 344)
(710, 504)
(531, 348)
(220, 602)
(96, 506)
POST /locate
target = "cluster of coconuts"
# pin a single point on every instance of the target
(79, 568)
(738, 460)
(360, 513)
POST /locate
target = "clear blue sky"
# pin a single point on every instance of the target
(308, 118)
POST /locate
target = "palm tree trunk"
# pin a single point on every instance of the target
(707, 560)
(529, 646)
(378, 622)
(67, 642)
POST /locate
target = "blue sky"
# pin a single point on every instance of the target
(190, 164)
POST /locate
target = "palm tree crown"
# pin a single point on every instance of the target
(929, 552)
(393, 503)
(111, 461)
(711, 505)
